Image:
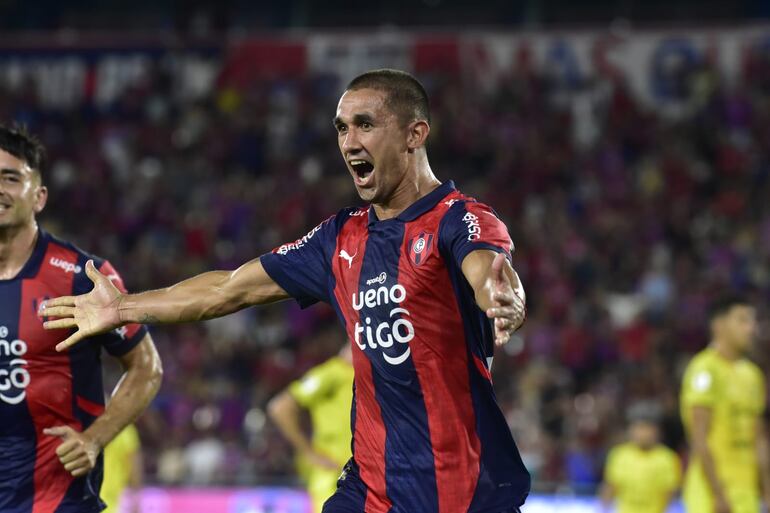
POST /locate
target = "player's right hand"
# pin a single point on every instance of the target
(91, 314)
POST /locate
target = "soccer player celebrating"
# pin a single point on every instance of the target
(326, 391)
(722, 402)
(54, 423)
(641, 475)
(415, 279)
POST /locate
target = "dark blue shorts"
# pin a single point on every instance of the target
(350, 496)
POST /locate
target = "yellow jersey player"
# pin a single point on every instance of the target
(326, 392)
(122, 471)
(722, 402)
(641, 475)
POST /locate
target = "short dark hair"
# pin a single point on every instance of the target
(725, 303)
(406, 97)
(17, 141)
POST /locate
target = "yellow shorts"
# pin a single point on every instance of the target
(321, 484)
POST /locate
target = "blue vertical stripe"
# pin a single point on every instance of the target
(410, 474)
(17, 431)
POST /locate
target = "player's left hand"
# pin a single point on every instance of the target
(77, 452)
(509, 310)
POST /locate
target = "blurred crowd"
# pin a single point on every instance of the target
(627, 220)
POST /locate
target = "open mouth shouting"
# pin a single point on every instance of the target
(363, 172)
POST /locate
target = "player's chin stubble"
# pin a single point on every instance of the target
(367, 195)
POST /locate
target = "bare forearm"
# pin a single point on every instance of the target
(763, 458)
(703, 453)
(137, 471)
(206, 296)
(131, 396)
(198, 298)
(701, 427)
(284, 412)
(485, 291)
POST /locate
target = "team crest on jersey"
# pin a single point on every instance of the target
(420, 248)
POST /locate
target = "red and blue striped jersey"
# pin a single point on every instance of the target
(428, 435)
(41, 388)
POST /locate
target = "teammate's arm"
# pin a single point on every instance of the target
(497, 289)
(137, 387)
(285, 411)
(701, 425)
(208, 295)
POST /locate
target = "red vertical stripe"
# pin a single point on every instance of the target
(440, 357)
(369, 435)
(49, 393)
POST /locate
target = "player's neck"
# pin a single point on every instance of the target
(724, 350)
(413, 187)
(16, 246)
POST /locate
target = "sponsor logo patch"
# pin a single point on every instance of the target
(67, 267)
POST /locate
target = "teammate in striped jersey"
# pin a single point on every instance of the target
(54, 422)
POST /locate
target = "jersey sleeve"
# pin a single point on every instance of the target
(316, 384)
(700, 387)
(302, 268)
(121, 340)
(468, 226)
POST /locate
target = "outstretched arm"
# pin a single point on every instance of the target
(208, 295)
(497, 289)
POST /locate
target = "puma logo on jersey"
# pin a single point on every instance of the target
(346, 256)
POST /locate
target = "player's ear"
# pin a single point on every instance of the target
(417, 135)
(41, 198)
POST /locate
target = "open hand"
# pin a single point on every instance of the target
(509, 310)
(92, 313)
